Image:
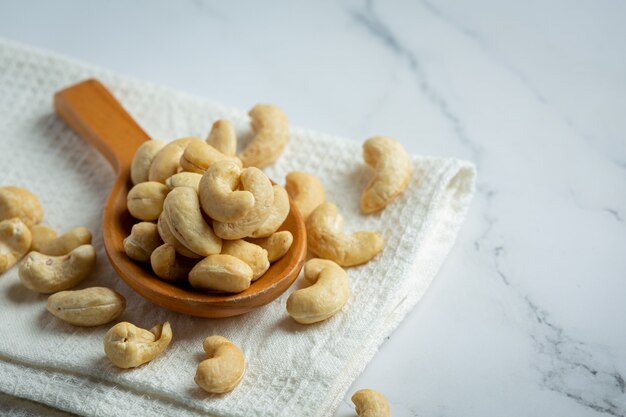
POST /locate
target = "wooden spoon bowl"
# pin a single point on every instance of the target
(92, 111)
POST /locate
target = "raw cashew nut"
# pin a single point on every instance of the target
(221, 273)
(47, 274)
(89, 307)
(306, 191)
(224, 368)
(143, 240)
(165, 231)
(370, 403)
(184, 179)
(392, 169)
(140, 167)
(169, 266)
(145, 200)
(129, 346)
(328, 292)
(255, 181)
(15, 239)
(184, 217)
(218, 193)
(199, 156)
(223, 137)
(254, 255)
(271, 129)
(326, 239)
(276, 245)
(19, 202)
(167, 160)
(278, 213)
(61, 245)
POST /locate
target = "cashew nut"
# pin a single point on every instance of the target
(44, 242)
(224, 368)
(221, 273)
(15, 239)
(182, 210)
(392, 169)
(278, 213)
(129, 346)
(19, 202)
(140, 167)
(254, 255)
(223, 137)
(167, 160)
(199, 156)
(169, 266)
(165, 231)
(326, 239)
(276, 245)
(306, 191)
(145, 200)
(218, 193)
(271, 129)
(184, 179)
(255, 181)
(47, 274)
(143, 240)
(370, 403)
(328, 292)
(89, 307)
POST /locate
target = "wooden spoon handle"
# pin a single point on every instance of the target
(92, 111)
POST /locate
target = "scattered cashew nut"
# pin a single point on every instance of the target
(370, 403)
(169, 266)
(167, 160)
(221, 273)
(278, 213)
(223, 137)
(276, 245)
(326, 239)
(218, 193)
(184, 179)
(392, 170)
(128, 346)
(224, 368)
(143, 240)
(145, 200)
(48, 274)
(306, 191)
(165, 231)
(89, 307)
(140, 167)
(15, 240)
(254, 255)
(199, 156)
(327, 294)
(58, 245)
(19, 202)
(271, 129)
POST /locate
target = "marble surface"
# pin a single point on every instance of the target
(526, 317)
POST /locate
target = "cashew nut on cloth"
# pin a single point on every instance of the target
(223, 137)
(140, 167)
(184, 179)
(306, 191)
(15, 240)
(45, 240)
(145, 200)
(224, 368)
(144, 238)
(278, 213)
(254, 255)
(328, 292)
(218, 192)
(167, 160)
(128, 346)
(392, 170)
(271, 129)
(48, 274)
(89, 307)
(276, 245)
(221, 273)
(369, 403)
(326, 239)
(169, 266)
(21, 203)
(199, 156)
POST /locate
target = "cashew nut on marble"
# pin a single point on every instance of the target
(45, 240)
(306, 191)
(326, 238)
(169, 266)
(328, 292)
(145, 200)
(271, 129)
(185, 220)
(392, 170)
(167, 160)
(140, 167)
(254, 255)
(224, 368)
(48, 274)
(218, 193)
(278, 213)
(223, 137)
(253, 180)
(184, 179)
(221, 273)
(168, 237)
(21, 203)
(15, 240)
(128, 346)
(89, 307)
(144, 238)
(199, 156)
(369, 403)
(276, 245)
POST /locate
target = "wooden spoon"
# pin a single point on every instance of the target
(90, 109)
